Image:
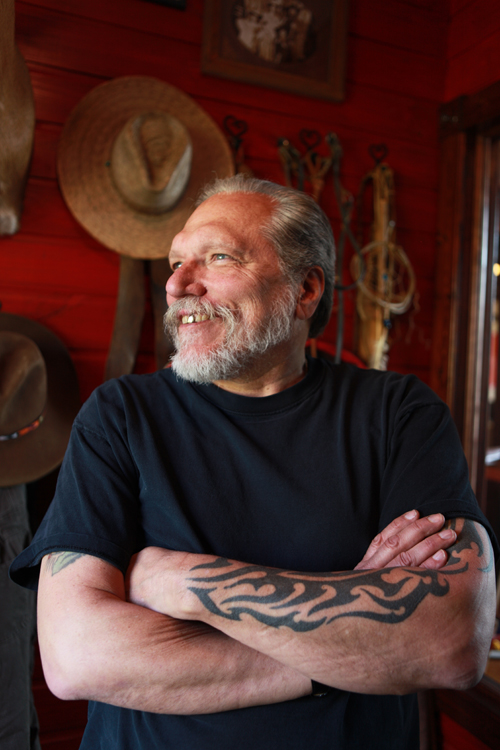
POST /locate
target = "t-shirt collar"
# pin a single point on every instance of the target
(235, 402)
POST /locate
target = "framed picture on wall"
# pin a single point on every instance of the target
(293, 45)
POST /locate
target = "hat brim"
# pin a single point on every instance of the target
(37, 453)
(84, 156)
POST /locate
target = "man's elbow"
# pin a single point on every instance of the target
(62, 675)
(465, 674)
(464, 639)
(61, 687)
(465, 662)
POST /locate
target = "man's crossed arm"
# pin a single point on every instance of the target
(376, 629)
(200, 633)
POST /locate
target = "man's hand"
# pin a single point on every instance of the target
(410, 541)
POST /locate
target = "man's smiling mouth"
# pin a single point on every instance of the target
(195, 318)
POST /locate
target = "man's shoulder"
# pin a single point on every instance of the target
(129, 397)
(376, 397)
(117, 389)
(379, 385)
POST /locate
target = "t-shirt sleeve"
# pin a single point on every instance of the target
(95, 509)
(426, 468)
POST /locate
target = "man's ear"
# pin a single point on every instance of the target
(311, 291)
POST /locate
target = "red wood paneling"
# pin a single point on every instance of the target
(471, 24)
(475, 69)
(473, 48)
(399, 24)
(390, 67)
(456, 5)
(64, 265)
(135, 15)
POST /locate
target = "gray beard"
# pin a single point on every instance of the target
(243, 344)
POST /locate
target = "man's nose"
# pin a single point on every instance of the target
(185, 280)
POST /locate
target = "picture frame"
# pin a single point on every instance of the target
(292, 45)
(178, 4)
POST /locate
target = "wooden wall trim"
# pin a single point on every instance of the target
(462, 122)
(447, 285)
(477, 305)
(466, 112)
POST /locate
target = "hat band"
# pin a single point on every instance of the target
(24, 431)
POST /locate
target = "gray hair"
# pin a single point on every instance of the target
(298, 230)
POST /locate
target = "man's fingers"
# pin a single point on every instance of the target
(401, 538)
(429, 553)
(398, 524)
(437, 561)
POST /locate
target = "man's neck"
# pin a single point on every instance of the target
(265, 381)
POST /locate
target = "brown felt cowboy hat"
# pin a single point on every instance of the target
(132, 158)
(39, 400)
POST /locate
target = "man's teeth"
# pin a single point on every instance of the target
(194, 318)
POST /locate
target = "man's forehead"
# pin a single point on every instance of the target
(229, 220)
(234, 206)
(213, 232)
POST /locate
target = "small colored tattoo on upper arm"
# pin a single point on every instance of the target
(56, 561)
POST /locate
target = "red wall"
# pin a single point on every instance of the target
(52, 271)
(473, 46)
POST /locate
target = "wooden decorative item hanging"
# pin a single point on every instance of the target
(389, 281)
(17, 123)
(235, 130)
(310, 166)
(314, 168)
(298, 168)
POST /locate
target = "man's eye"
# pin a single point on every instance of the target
(220, 256)
(177, 265)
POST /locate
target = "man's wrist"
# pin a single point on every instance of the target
(319, 690)
(191, 567)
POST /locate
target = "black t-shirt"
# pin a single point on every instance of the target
(302, 480)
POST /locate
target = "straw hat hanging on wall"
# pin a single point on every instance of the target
(132, 158)
(39, 399)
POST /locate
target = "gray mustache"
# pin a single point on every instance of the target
(196, 306)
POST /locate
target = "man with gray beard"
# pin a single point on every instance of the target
(177, 566)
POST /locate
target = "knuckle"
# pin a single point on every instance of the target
(397, 523)
(422, 524)
(393, 541)
(429, 544)
(406, 559)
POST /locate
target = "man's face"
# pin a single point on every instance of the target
(229, 303)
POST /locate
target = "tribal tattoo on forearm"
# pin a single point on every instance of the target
(305, 601)
(468, 539)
